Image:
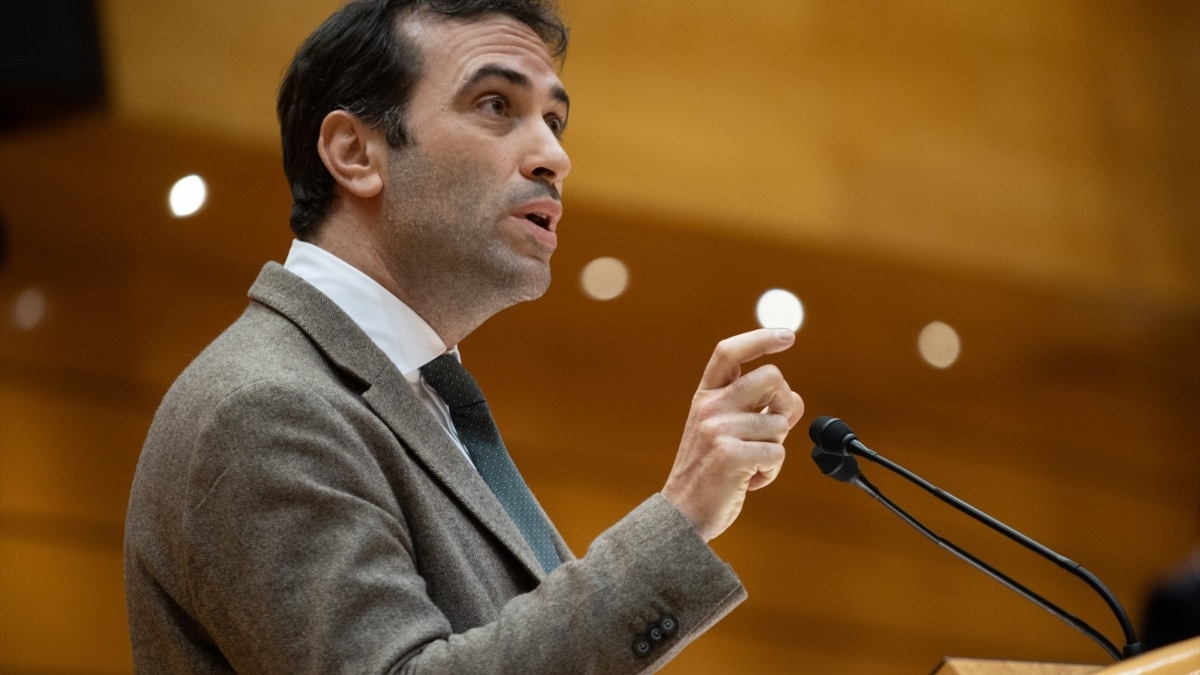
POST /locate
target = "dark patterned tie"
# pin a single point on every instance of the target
(477, 431)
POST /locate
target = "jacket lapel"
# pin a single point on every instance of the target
(391, 398)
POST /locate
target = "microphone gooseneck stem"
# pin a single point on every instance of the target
(1132, 646)
(987, 569)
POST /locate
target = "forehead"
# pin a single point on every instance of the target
(453, 49)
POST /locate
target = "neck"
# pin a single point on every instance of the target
(450, 305)
(453, 319)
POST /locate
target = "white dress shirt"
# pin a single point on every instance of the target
(392, 325)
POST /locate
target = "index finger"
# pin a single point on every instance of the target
(725, 366)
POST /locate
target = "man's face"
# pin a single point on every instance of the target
(472, 203)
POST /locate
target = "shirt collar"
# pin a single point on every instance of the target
(393, 326)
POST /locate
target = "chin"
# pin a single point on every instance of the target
(517, 281)
(532, 285)
(534, 291)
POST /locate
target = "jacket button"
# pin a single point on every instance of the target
(668, 623)
(655, 633)
(641, 646)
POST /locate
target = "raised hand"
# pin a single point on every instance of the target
(733, 440)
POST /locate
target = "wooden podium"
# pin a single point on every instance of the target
(1181, 658)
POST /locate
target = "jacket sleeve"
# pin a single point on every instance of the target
(300, 560)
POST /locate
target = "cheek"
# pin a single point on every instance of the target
(469, 181)
(453, 184)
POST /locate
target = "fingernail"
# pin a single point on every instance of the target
(785, 334)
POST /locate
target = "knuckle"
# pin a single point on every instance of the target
(711, 428)
(776, 425)
(709, 407)
(770, 371)
(724, 349)
(705, 408)
(727, 448)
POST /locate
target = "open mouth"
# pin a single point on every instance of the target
(538, 219)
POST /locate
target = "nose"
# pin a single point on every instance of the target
(545, 159)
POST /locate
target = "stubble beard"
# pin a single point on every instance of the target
(446, 245)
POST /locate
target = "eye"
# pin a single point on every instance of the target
(557, 125)
(495, 105)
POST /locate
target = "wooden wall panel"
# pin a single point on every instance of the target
(69, 448)
(1052, 142)
(62, 607)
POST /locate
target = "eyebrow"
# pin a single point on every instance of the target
(514, 77)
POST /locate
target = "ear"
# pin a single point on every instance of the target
(353, 152)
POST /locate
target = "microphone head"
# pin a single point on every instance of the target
(831, 433)
(832, 455)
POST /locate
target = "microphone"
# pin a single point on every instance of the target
(835, 447)
(832, 457)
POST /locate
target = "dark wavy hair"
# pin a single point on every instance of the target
(358, 61)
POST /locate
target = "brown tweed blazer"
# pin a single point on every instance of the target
(296, 509)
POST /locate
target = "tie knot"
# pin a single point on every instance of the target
(452, 382)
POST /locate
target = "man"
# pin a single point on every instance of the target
(313, 496)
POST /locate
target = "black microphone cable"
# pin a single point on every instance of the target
(835, 447)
